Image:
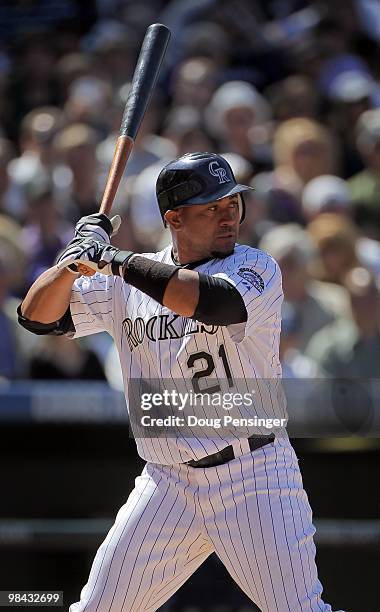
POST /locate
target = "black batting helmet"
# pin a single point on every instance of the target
(196, 178)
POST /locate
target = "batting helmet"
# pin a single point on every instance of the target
(196, 178)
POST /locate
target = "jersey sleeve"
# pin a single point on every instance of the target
(92, 305)
(257, 277)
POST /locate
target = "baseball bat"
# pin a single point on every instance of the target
(148, 66)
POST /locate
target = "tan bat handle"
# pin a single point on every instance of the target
(123, 150)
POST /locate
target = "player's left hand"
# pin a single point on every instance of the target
(98, 227)
(99, 256)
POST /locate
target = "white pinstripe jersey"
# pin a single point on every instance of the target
(156, 344)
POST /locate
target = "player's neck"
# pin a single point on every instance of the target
(181, 257)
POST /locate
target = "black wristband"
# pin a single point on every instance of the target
(151, 277)
(120, 262)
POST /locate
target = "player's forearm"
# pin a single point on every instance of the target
(49, 297)
(182, 293)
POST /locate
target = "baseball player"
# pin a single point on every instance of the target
(203, 314)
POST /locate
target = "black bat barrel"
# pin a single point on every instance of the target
(144, 79)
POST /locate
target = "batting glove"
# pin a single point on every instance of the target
(98, 227)
(99, 256)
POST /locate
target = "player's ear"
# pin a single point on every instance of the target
(173, 219)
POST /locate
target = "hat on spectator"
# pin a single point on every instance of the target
(351, 86)
(288, 239)
(333, 234)
(368, 129)
(325, 192)
(236, 94)
(368, 253)
(339, 64)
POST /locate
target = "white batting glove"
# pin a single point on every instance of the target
(99, 256)
(98, 227)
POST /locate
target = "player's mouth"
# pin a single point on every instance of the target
(229, 236)
(226, 234)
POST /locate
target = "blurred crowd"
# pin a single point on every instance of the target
(288, 92)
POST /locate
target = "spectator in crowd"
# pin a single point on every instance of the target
(340, 243)
(31, 82)
(302, 150)
(69, 68)
(57, 358)
(88, 99)
(45, 233)
(15, 343)
(365, 185)
(349, 97)
(295, 96)
(37, 158)
(194, 41)
(326, 193)
(9, 354)
(295, 364)
(76, 147)
(185, 129)
(11, 242)
(113, 46)
(12, 199)
(334, 237)
(193, 82)
(307, 56)
(350, 347)
(315, 304)
(234, 110)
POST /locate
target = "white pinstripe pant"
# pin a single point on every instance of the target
(253, 512)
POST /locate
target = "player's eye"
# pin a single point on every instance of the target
(212, 208)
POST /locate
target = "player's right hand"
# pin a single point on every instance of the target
(98, 227)
(99, 256)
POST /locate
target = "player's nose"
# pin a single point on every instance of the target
(228, 217)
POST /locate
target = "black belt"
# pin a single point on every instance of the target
(227, 454)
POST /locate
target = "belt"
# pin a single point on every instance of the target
(228, 453)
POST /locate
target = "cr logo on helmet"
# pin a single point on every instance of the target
(220, 173)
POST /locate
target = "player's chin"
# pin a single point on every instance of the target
(223, 247)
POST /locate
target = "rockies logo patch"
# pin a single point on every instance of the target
(253, 279)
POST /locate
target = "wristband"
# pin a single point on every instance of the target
(120, 261)
(151, 277)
